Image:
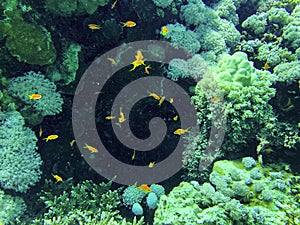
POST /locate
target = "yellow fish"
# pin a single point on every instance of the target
(35, 96)
(155, 96)
(151, 164)
(175, 118)
(181, 131)
(122, 116)
(161, 100)
(91, 149)
(110, 117)
(129, 23)
(93, 26)
(51, 137)
(112, 60)
(40, 132)
(147, 69)
(164, 31)
(57, 177)
(133, 156)
(139, 60)
(72, 143)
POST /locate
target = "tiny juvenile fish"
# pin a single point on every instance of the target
(51, 137)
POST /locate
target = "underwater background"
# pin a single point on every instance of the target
(248, 49)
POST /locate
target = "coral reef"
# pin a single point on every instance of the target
(22, 87)
(11, 208)
(232, 196)
(20, 163)
(35, 46)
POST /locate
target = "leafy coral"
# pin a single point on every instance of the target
(35, 46)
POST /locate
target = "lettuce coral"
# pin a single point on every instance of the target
(19, 161)
(35, 46)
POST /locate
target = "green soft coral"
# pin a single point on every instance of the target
(221, 202)
(246, 93)
(26, 41)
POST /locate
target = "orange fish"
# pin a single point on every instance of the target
(57, 177)
(266, 66)
(151, 164)
(110, 117)
(161, 100)
(181, 131)
(122, 116)
(51, 137)
(155, 96)
(145, 188)
(91, 149)
(147, 69)
(139, 60)
(164, 31)
(93, 26)
(35, 96)
(214, 99)
(129, 23)
(139, 56)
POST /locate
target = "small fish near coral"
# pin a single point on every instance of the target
(93, 26)
(57, 177)
(164, 31)
(181, 131)
(35, 96)
(145, 188)
(129, 23)
(51, 137)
